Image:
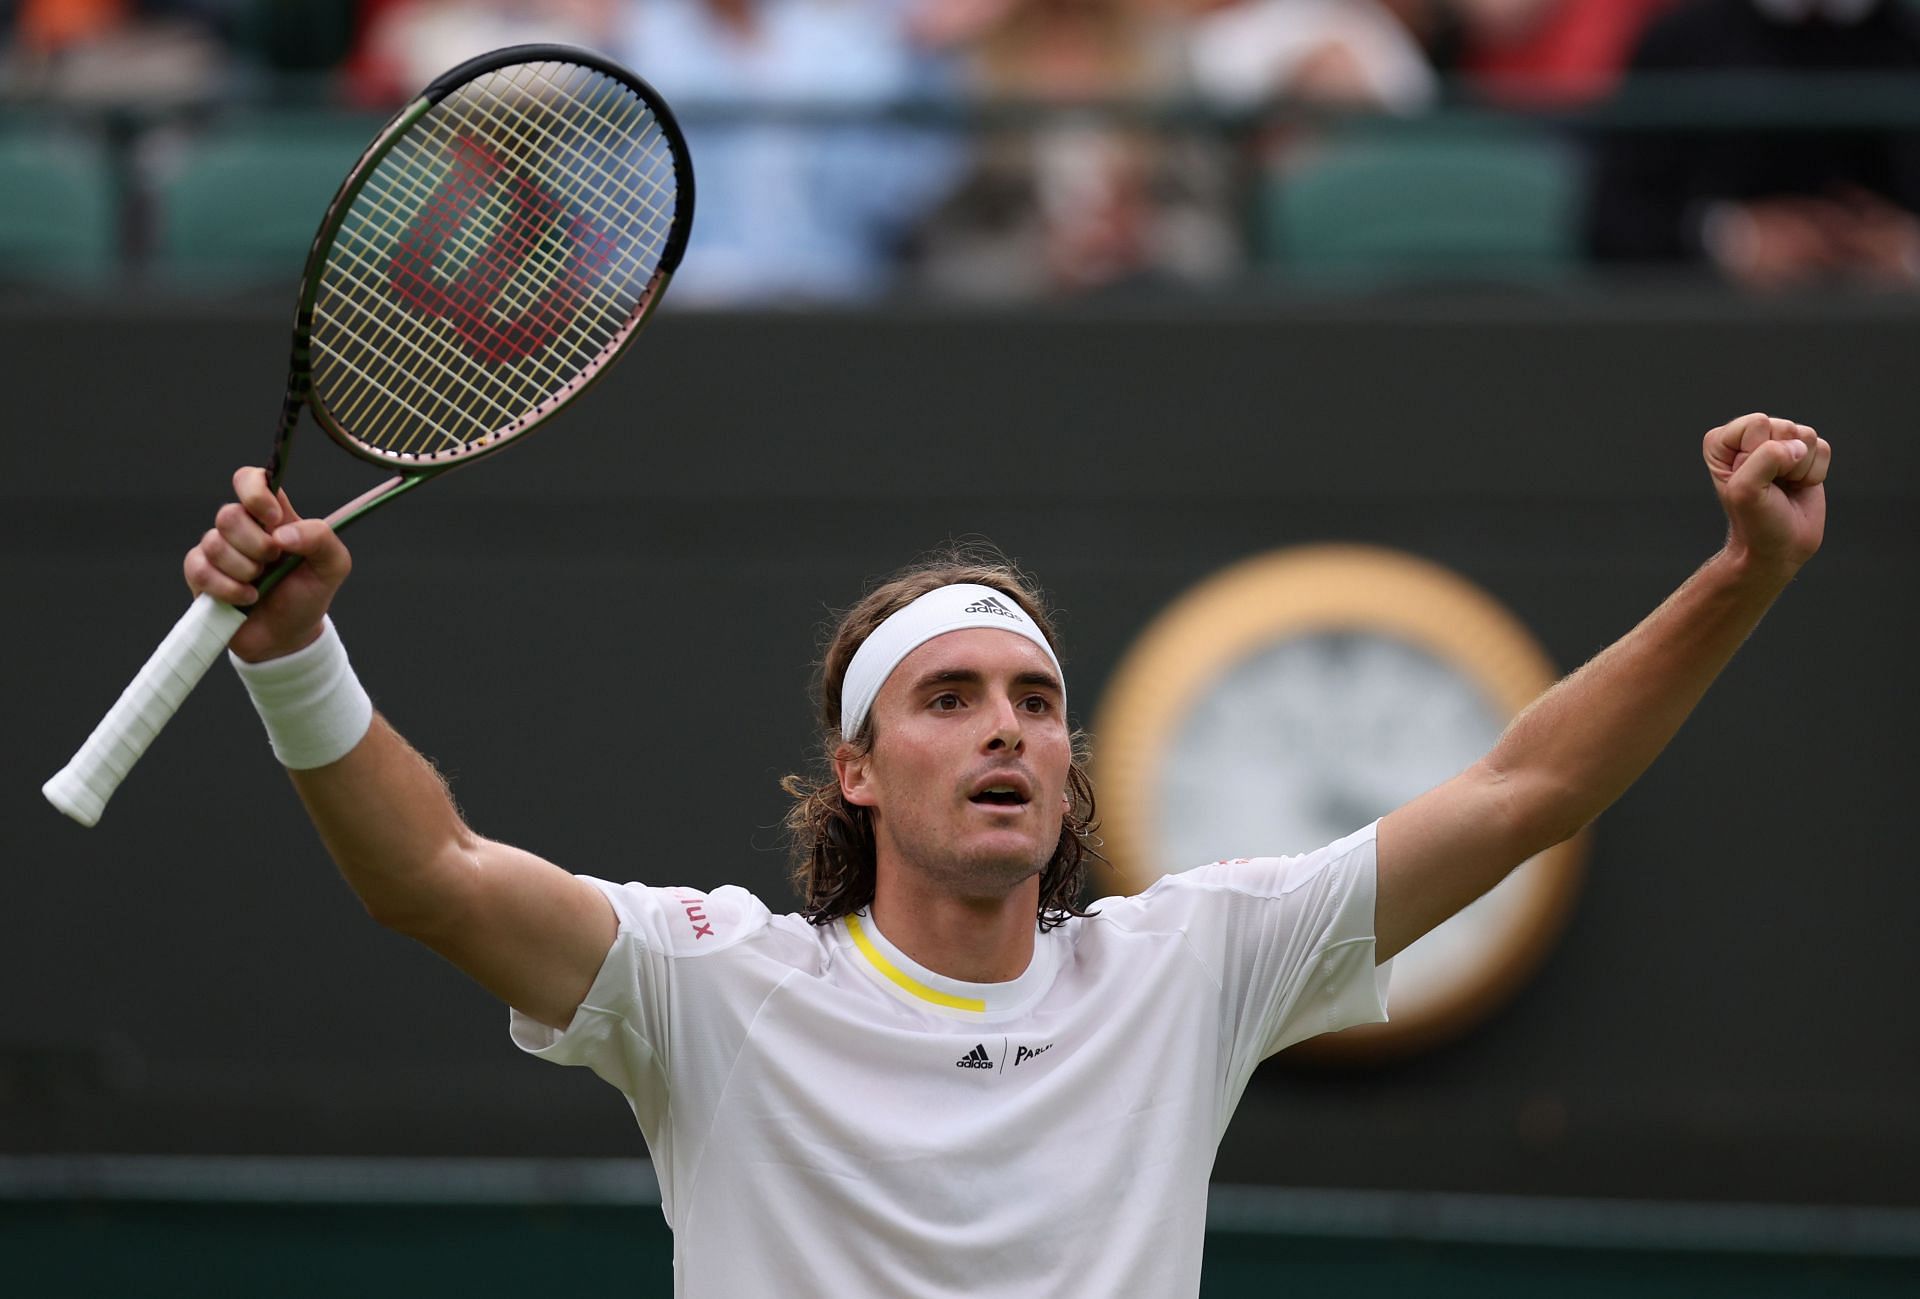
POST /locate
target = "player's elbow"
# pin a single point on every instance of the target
(426, 899)
(395, 911)
(1536, 810)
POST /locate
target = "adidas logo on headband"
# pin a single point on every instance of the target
(991, 604)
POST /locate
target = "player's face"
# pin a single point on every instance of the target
(967, 777)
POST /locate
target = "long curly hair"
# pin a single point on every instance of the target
(832, 840)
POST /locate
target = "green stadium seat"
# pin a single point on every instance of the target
(241, 202)
(59, 215)
(1425, 203)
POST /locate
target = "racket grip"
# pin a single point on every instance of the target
(82, 787)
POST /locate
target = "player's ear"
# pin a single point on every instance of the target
(854, 771)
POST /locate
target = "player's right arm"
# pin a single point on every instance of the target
(527, 931)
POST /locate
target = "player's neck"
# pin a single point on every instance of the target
(977, 940)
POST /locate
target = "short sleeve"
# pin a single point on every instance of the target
(623, 1028)
(1289, 941)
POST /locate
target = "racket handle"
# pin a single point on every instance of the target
(82, 787)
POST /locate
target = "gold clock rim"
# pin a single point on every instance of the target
(1304, 590)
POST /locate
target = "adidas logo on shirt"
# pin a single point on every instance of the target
(974, 1059)
(991, 604)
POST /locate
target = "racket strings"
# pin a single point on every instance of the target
(520, 248)
(587, 169)
(473, 246)
(396, 343)
(411, 331)
(605, 194)
(401, 341)
(500, 247)
(584, 331)
(583, 178)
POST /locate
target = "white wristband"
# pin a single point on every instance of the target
(314, 707)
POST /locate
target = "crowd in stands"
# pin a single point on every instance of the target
(847, 149)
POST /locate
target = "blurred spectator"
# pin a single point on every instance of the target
(113, 51)
(1077, 199)
(404, 44)
(1350, 59)
(1353, 54)
(49, 27)
(803, 195)
(1770, 208)
(1548, 52)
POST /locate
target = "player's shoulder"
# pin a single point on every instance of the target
(1173, 900)
(679, 920)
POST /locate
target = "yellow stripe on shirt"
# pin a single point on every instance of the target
(903, 979)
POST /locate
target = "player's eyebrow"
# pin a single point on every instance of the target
(973, 677)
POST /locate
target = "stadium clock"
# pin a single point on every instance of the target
(1298, 695)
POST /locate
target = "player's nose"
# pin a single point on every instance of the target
(1005, 731)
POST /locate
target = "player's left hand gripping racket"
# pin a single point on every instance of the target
(492, 252)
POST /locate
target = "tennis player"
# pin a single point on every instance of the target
(944, 1076)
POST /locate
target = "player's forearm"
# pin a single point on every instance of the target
(385, 815)
(1579, 746)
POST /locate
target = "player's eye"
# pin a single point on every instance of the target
(945, 703)
(1037, 704)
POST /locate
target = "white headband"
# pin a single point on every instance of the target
(950, 608)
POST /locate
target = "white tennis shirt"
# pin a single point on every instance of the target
(829, 1118)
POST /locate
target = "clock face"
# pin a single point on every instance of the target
(1308, 739)
(1294, 699)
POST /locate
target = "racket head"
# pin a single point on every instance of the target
(490, 255)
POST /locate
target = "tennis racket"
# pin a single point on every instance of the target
(498, 245)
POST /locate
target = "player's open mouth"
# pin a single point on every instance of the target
(1007, 792)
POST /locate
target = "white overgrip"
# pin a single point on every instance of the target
(81, 788)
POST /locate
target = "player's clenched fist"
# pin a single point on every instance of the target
(250, 537)
(1769, 474)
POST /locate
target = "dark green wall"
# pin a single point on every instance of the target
(605, 641)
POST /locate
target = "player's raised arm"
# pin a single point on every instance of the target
(420, 368)
(529, 932)
(1577, 748)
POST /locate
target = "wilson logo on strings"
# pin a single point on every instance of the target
(533, 230)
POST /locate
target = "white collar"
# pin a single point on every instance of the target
(912, 982)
